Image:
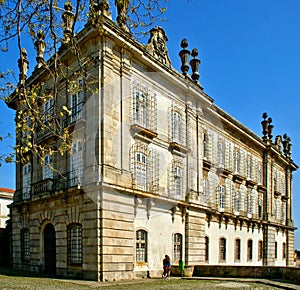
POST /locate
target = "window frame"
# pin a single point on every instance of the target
(141, 247)
(222, 249)
(177, 247)
(25, 245)
(75, 247)
(237, 250)
(250, 250)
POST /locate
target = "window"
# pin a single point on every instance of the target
(75, 244)
(283, 250)
(206, 249)
(221, 154)
(141, 170)
(249, 250)
(260, 250)
(275, 249)
(222, 250)
(249, 167)
(143, 107)
(76, 163)
(260, 209)
(275, 182)
(26, 181)
(249, 202)
(48, 110)
(236, 161)
(222, 197)
(25, 245)
(178, 181)
(177, 127)
(206, 191)
(259, 173)
(47, 167)
(237, 250)
(177, 247)
(76, 101)
(205, 144)
(141, 246)
(145, 167)
(237, 201)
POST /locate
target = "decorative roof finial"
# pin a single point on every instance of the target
(40, 46)
(98, 7)
(23, 65)
(195, 62)
(122, 7)
(68, 21)
(184, 55)
(287, 145)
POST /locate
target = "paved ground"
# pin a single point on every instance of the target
(10, 279)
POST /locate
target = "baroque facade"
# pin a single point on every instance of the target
(155, 168)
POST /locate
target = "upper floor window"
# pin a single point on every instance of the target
(76, 101)
(236, 161)
(48, 167)
(249, 203)
(259, 174)
(283, 250)
(260, 207)
(249, 167)
(76, 163)
(205, 145)
(177, 133)
(237, 201)
(221, 153)
(48, 109)
(178, 181)
(177, 247)
(25, 245)
(222, 197)
(275, 183)
(145, 167)
(249, 250)
(222, 250)
(237, 250)
(143, 107)
(75, 244)
(206, 191)
(26, 181)
(141, 246)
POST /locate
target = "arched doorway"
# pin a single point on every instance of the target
(49, 249)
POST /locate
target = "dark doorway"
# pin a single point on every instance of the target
(49, 249)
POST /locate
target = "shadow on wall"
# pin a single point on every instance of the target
(4, 248)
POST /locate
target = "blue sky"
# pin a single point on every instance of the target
(250, 64)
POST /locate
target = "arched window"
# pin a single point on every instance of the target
(75, 244)
(249, 250)
(141, 246)
(237, 250)
(177, 247)
(25, 245)
(206, 249)
(222, 250)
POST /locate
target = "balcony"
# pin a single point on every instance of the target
(75, 116)
(43, 187)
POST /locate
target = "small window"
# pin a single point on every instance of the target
(236, 161)
(260, 250)
(221, 154)
(249, 250)
(206, 249)
(25, 245)
(177, 127)
(283, 250)
(141, 246)
(237, 201)
(178, 181)
(237, 250)
(275, 250)
(26, 181)
(75, 244)
(177, 247)
(222, 197)
(205, 153)
(222, 250)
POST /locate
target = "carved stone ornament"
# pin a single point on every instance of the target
(68, 20)
(122, 8)
(99, 6)
(23, 65)
(40, 46)
(157, 45)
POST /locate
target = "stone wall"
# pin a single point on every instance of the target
(284, 273)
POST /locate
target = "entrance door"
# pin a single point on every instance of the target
(49, 249)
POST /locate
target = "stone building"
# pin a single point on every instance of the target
(156, 168)
(6, 198)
